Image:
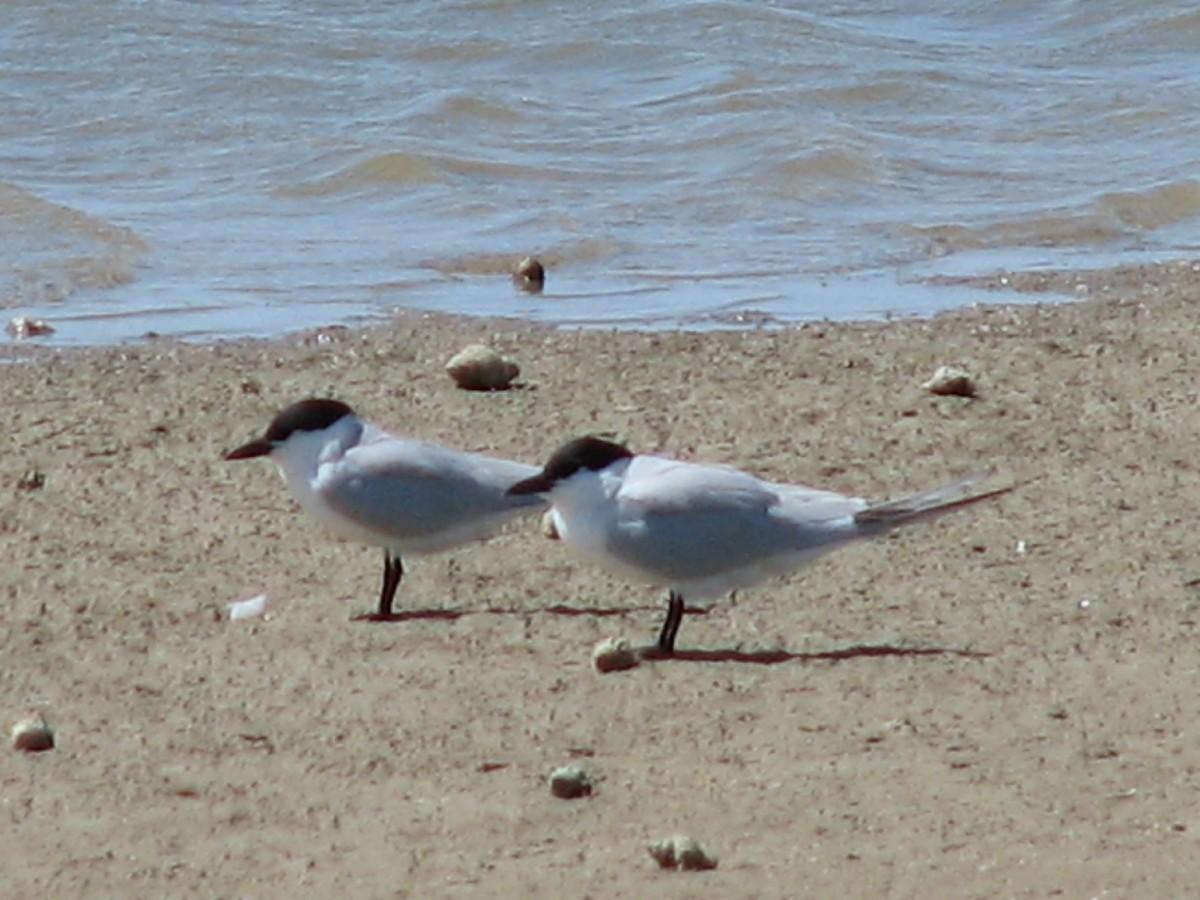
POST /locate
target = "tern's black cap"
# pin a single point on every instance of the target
(314, 414)
(591, 453)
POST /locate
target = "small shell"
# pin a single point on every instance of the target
(614, 655)
(529, 275)
(480, 368)
(24, 327)
(549, 529)
(949, 381)
(681, 852)
(570, 783)
(33, 734)
(252, 608)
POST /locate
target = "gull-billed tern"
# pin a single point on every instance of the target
(702, 531)
(403, 495)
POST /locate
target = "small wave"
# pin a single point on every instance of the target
(1037, 231)
(1109, 218)
(52, 252)
(1157, 207)
(579, 253)
(386, 169)
(464, 109)
(825, 173)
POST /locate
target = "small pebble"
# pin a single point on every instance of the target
(570, 783)
(682, 853)
(480, 368)
(614, 655)
(33, 734)
(529, 275)
(23, 327)
(949, 381)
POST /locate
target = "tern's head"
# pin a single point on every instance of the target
(301, 422)
(582, 455)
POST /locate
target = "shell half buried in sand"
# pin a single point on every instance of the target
(948, 381)
(683, 853)
(614, 655)
(23, 327)
(33, 734)
(480, 368)
(570, 783)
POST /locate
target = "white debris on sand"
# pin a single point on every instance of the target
(252, 608)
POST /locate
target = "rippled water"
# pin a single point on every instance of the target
(220, 168)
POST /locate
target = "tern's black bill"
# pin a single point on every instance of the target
(250, 450)
(538, 484)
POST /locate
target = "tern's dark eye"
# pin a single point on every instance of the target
(591, 453)
(307, 415)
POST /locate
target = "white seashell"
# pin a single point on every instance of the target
(549, 529)
(614, 655)
(570, 783)
(480, 368)
(33, 734)
(252, 608)
(681, 852)
(949, 381)
(23, 327)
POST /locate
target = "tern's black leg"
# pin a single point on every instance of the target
(666, 637)
(393, 571)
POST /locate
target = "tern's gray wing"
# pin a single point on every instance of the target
(654, 485)
(423, 495)
(690, 523)
(666, 486)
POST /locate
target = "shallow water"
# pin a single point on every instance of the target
(218, 169)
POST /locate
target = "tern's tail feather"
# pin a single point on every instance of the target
(926, 504)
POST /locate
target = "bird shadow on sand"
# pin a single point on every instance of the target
(771, 657)
(560, 609)
(651, 653)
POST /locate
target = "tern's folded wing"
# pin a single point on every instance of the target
(712, 529)
(394, 458)
(657, 486)
(805, 505)
(410, 490)
(665, 486)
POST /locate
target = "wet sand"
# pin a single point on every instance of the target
(1000, 703)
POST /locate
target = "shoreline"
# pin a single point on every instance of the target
(1026, 681)
(1142, 281)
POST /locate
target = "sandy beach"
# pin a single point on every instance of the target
(997, 704)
